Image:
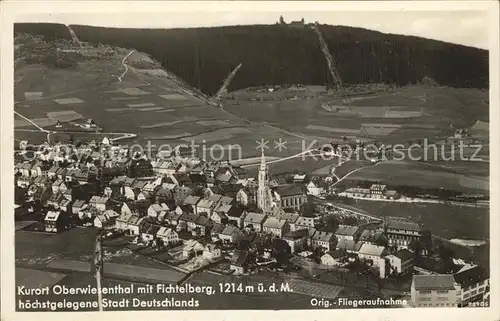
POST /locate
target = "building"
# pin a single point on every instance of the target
(291, 196)
(348, 232)
(401, 233)
(239, 262)
(332, 258)
(304, 223)
(374, 254)
(325, 240)
(297, 240)
(314, 189)
(156, 209)
(212, 252)
(401, 262)
(230, 234)
(100, 203)
(439, 290)
(192, 201)
(55, 221)
(275, 226)
(264, 193)
(254, 221)
(474, 282)
(378, 191)
(348, 246)
(291, 219)
(205, 206)
(106, 220)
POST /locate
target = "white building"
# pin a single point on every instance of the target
(438, 290)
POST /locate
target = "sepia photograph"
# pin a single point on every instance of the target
(273, 158)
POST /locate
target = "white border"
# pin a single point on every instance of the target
(11, 10)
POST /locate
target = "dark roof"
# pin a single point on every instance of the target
(295, 235)
(239, 258)
(471, 276)
(289, 190)
(434, 282)
(404, 255)
(401, 225)
(217, 228)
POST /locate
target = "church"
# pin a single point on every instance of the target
(283, 197)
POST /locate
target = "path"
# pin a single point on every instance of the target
(125, 66)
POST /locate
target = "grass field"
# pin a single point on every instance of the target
(443, 220)
(420, 175)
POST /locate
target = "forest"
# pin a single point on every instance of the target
(283, 54)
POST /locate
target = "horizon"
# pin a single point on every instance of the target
(469, 28)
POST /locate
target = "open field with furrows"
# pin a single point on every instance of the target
(416, 174)
(415, 111)
(443, 220)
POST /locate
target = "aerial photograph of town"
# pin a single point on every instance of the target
(292, 164)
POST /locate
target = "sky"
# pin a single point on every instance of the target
(468, 28)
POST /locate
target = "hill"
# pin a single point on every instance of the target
(280, 54)
(131, 95)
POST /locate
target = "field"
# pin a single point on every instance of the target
(443, 220)
(421, 175)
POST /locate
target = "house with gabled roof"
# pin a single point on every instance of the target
(155, 209)
(348, 232)
(78, 206)
(100, 202)
(55, 221)
(401, 262)
(304, 223)
(254, 221)
(275, 226)
(239, 262)
(236, 216)
(134, 224)
(290, 218)
(121, 222)
(189, 219)
(205, 206)
(168, 236)
(219, 217)
(106, 220)
(325, 240)
(139, 208)
(192, 201)
(203, 224)
(297, 240)
(172, 218)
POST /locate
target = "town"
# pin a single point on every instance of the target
(196, 215)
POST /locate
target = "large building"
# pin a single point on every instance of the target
(291, 197)
(474, 282)
(401, 233)
(435, 291)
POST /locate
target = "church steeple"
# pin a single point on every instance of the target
(262, 161)
(263, 191)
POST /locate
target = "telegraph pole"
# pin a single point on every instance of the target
(98, 265)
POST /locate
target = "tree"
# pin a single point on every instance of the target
(331, 224)
(382, 241)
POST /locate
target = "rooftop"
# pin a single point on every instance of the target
(373, 250)
(347, 230)
(471, 276)
(434, 282)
